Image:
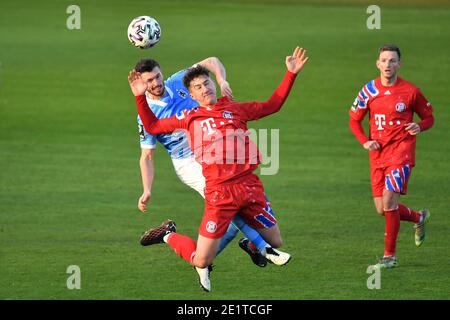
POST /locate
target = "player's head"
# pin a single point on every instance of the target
(388, 61)
(200, 85)
(151, 74)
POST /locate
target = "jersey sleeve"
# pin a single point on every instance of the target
(421, 106)
(147, 140)
(154, 125)
(176, 80)
(257, 110)
(424, 109)
(360, 106)
(358, 111)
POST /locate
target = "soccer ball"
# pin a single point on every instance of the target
(144, 32)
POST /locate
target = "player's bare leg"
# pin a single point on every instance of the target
(206, 251)
(378, 201)
(273, 236)
(390, 200)
(204, 255)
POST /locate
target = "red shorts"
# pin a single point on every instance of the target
(245, 198)
(394, 178)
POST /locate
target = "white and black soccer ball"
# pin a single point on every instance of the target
(144, 32)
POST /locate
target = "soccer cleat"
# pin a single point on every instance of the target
(386, 263)
(156, 235)
(420, 227)
(256, 257)
(204, 277)
(277, 257)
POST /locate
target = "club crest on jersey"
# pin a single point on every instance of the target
(227, 115)
(400, 107)
(211, 226)
(182, 93)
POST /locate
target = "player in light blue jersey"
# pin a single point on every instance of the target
(168, 98)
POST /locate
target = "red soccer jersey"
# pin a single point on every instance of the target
(218, 135)
(390, 108)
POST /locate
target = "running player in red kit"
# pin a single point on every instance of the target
(391, 103)
(218, 136)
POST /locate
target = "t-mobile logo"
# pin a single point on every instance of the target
(380, 121)
(208, 125)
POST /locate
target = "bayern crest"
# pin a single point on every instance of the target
(227, 115)
(400, 107)
(211, 226)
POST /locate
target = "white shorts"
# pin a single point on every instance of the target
(190, 173)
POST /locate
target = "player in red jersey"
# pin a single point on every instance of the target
(218, 135)
(391, 103)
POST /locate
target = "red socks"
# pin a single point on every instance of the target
(407, 214)
(182, 245)
(392, 228)
(391, 231)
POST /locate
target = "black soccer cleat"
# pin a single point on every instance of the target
(156, 235)
(257, 257)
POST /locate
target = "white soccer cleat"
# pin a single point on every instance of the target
(388, 262)
(277, 257)
(420, 227)
(204, 277)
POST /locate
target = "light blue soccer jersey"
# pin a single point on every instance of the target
(176, 98)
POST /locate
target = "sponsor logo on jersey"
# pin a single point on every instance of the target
(211, 226)
(380, 121)
(227, 115)
(141, 131)
(208, 125)
(387, 92)
(400, 107)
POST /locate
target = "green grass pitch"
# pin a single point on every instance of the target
(69, 175)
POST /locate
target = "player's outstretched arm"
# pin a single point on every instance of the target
(294, 64)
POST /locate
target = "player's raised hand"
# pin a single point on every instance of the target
(226, 91)
(298, 59)
(142, 202)
(137, 85)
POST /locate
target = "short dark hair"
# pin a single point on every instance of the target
(146, 65)
(194, 72)
(390, 47)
